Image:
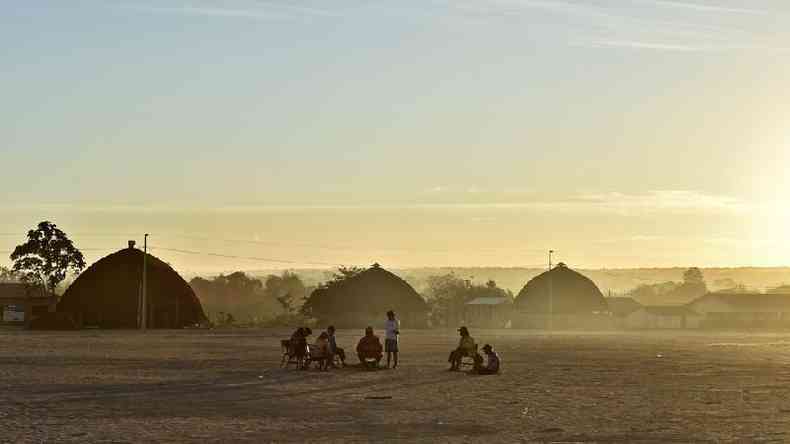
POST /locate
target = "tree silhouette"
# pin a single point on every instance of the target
(47, 256)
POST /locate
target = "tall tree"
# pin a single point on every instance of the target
(47, 256)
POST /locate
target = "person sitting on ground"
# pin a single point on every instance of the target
(369, 347)
(492, 362)
(299, 345)
(320, 351)
(334, 350)
(466, 347)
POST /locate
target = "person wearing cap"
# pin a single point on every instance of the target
(369, 347)
(492, 362)
(334, 350)
(392, 329)
(466, 347)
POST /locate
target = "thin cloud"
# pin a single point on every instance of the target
(707, 8)
(263, 12)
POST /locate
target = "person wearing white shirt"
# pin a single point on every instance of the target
(392, 329)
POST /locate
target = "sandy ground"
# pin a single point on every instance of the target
(226, 386)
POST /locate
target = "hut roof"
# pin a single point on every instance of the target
(749, 302)
(622, 306)
(109, 291)
(374, 290)
(561, 291)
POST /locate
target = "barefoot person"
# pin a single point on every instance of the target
(466, 347)
(369, 347)
(392, 329)
(492, 362)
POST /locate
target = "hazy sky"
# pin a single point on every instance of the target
(482, 132)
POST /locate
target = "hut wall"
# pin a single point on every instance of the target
(488, 316)
(643, 319)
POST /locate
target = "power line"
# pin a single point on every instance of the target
(231, 256)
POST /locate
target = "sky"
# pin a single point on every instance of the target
(247, 134)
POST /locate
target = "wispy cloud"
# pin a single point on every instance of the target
(707, 8)
(259, 11)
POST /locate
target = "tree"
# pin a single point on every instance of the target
(693, 276)
(234, 293)
(46, 257)
(288, 289)
(7, 275)
(447, 294)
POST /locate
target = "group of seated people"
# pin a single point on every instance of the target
(323, 351)
(370, 351)
(467, 347)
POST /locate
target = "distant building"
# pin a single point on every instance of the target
(622, 306)
(21, 303)
(744, 310)
(489, 312)
(561, 298)
(663, 317)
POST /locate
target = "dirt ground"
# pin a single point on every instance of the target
(226, 386)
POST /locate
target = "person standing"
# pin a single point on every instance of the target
(392, 329)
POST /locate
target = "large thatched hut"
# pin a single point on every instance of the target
(364, 298)
(107, 294)
(562, 296)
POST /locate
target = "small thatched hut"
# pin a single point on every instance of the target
(364, 299)
(107, 294)
(562, 294)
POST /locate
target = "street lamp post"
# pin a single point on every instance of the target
(144, 303)
(551, 295)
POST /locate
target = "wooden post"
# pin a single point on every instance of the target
(178, 312)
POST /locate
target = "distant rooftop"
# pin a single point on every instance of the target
(670, 310)
(489, 301)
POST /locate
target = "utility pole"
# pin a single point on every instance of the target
(551, 295)
(144, 303)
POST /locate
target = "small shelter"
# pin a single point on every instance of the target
(364, 299)
(489, 312)
(621, 306)
(108, 294)
(20, 303)
(663, 317)
(744, 310)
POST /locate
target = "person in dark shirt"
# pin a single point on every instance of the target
(369, 347)
(493, 362)
(299, 345)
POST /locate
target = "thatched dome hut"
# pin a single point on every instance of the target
(560, 291)
(107, 294)
(364, 299)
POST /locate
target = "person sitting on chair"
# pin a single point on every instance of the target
(369, 347)
(320, 351)
(466, 347)
(299, 345)
(334, 350)
(492, 364)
